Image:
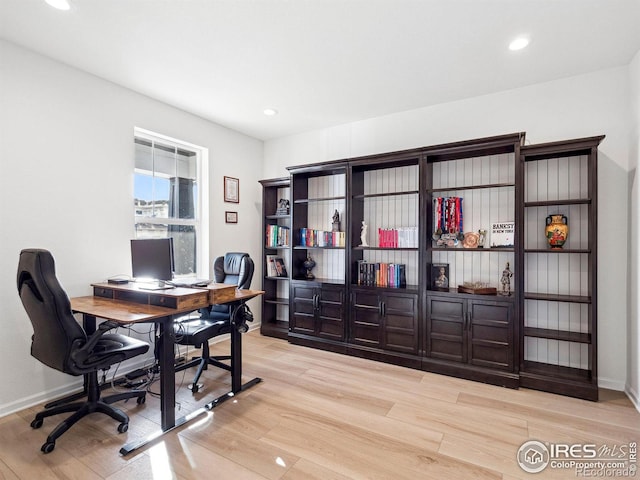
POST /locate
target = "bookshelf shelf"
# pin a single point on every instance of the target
(455, 188)
(386, 194)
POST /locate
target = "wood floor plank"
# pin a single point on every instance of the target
(227, 441)
(462, 420)
(304, 469)
(6, 473)
(360, 453)
(354, 416)
(548, 418)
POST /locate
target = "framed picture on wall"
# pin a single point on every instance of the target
(231, 190)
(231, 217)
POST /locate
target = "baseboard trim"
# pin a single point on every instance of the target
(633, 396)
(59, 392)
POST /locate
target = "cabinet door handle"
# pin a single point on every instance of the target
(384, 309)
(316, 301)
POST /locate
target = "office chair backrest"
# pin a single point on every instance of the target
(55, 330)
(234, 268)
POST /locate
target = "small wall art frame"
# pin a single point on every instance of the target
(231, 190)
(231, 217)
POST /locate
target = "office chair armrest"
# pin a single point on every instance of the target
(80, 355)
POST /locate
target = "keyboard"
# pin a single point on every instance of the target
(154, 286)
(191, 282)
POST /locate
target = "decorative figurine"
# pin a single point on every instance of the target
(556, 231)
(309, 263)
(363, 235)
(335, 224)
(506, 281)
(482, 236)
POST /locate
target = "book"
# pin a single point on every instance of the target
(502, 234)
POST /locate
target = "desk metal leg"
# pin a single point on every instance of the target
(236, 367)
(167, 374)
(167, 389)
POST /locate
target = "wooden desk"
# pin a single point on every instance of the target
(129, 304)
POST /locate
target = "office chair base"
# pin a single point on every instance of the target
(80, 410)
(203, 363)
(195, 387)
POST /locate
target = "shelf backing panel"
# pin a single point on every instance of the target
(563, 178)
(557, 352)
(475, 266)
(557, 274)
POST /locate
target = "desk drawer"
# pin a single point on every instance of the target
(169, 302)
(102, 292)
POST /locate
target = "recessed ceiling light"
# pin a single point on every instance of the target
(59, 4)
(519, 43)
(270, 112)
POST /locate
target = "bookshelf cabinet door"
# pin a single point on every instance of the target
(330, 312)
(446, 330)
(303, 315)
(400, 322)
(365, 318)
(491, 334)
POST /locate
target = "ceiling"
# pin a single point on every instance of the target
(323, 62)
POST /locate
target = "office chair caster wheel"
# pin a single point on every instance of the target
(37, 423)
(141, 400)
(48, 447)
(123, 427)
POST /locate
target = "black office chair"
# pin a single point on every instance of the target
(61, 343)
(235, 268)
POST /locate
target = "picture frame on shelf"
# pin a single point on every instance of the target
(439, 278)
(271, 265)
(502, 234)
(230, 217)
(231, 190)
(281, 269)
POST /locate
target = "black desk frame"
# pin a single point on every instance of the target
(166, 358)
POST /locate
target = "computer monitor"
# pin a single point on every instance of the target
(152, 258)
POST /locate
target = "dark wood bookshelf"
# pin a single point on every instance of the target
(471, 336)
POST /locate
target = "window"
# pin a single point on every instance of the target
(169, 198)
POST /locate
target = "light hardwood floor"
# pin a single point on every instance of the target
(319, 415)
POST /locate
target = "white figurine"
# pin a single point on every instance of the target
(363, 235)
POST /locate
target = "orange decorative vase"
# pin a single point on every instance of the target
(556, 231)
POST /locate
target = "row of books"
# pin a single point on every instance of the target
(400, 237)
(278, 236)
(381, 274)
(320, 238)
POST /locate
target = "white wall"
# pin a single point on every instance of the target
(633, 328)
(593, 104)
(66, 184)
